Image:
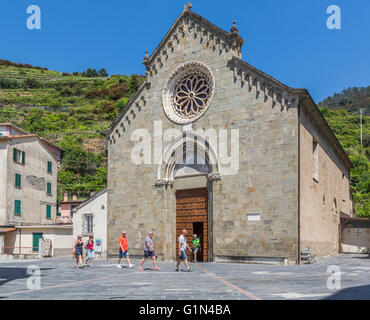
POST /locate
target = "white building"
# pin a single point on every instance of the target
(90, 218)
(28, 194)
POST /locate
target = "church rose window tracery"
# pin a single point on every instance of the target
(188, 92)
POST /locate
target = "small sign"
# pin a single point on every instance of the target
(358, 231)
(254, 216)
(98, 245)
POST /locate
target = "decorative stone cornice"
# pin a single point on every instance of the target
(127, 115)
(163, 182)
(214, 176)
(263, 83)
(191, 24)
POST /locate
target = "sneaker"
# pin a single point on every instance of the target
(119, 266)
(177, 270)
(131, 265)
(190, 270)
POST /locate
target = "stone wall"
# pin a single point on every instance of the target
(267, 181)
(321, 200)
(34, 177)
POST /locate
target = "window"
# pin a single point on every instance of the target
(315, 160)
(18, 181)
(48, 211)
(48, 188)
(50, 166)
(19, 156)
(17, 207)
(72, 207)
(88, 223)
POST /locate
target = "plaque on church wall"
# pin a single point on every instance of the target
(254, 216)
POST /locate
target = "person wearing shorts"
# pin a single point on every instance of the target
(149, 252)
(196, 246)
(123, 250)
(182, 251)
(77, 252)
(89, 246)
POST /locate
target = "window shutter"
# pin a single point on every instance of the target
(17, 207)
(48, 211)
(85, 224)
(49, 167)
(48, 190)
(14, 154)
(23, 157)
(18, 180)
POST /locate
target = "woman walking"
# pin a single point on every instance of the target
(77, 252)
(90, 250)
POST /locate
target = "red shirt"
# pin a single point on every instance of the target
(123, 243)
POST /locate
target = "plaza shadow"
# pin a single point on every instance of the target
(352, 293)
(9, 274)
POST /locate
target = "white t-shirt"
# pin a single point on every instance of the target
(182, 240)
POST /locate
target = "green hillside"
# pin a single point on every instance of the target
(72, 110)
(350, 99)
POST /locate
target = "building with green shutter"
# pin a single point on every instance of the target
(28, 194)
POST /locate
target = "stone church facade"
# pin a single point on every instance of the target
(234, 155)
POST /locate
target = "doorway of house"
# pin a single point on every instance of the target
(35, 242)
(192, 214)
(198, 229)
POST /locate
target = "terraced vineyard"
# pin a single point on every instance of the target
(70, 110)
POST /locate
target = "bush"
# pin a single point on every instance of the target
(9, 84)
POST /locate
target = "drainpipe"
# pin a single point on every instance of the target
(299, 187)
(299, 177)
(20, 242)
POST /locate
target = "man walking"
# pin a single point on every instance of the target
(182, 251)
(123, 250)
(149, 252)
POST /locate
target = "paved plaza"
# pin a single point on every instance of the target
(216, 281)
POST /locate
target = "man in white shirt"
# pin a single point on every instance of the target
(182, 251)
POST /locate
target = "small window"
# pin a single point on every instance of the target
(315, 160)
(17, 207)
(48, 211)
(48, 188)
(19, 156)
(18, 181)
(88, 223)
(50, 167)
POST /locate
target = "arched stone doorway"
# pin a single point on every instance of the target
(190, 165)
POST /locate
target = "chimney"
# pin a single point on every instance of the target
(74, 197)
(65, 196)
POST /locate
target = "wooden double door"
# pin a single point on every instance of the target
(192, 215)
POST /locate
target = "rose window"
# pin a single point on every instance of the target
(188, 92)
(191, 95)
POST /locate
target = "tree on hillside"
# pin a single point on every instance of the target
(103, 73)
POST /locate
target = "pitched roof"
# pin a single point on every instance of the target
(210, 26)
(30, 136)
(14, 126)
(237, 63)
(95, 195)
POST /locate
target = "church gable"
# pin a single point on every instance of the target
(193, 26)
(171, 54)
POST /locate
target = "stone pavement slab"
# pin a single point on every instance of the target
(210, 281)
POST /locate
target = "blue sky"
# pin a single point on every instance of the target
(287, 39)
